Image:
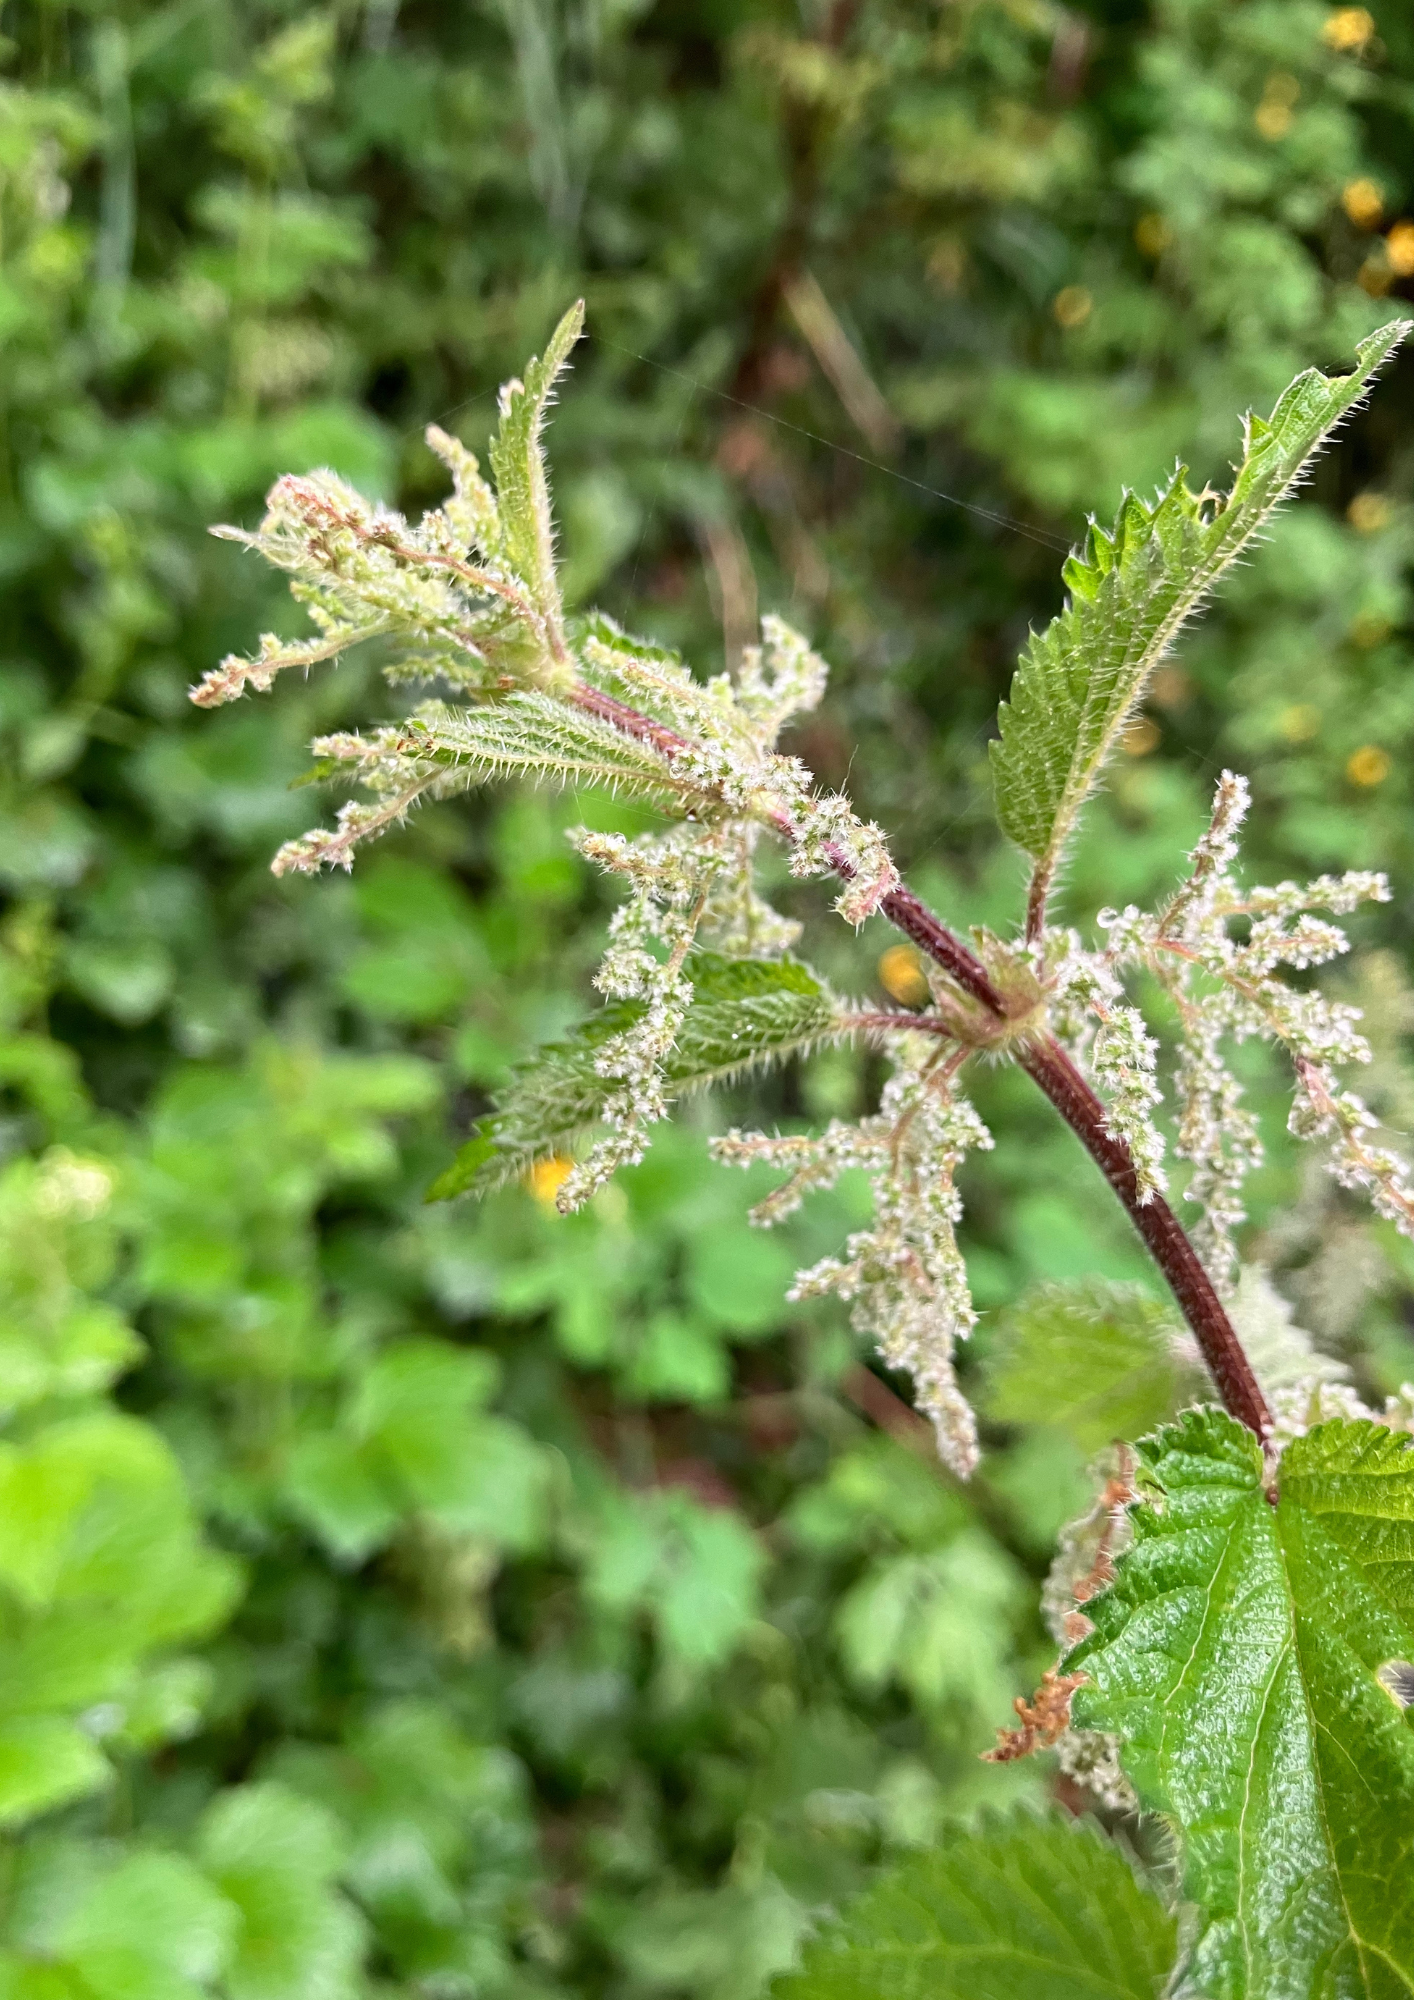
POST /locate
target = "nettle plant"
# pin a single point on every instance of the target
(1241, 1664)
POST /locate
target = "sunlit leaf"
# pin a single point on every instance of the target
(1239, 1653)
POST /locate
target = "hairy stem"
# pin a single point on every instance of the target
(1164, 1236)
(642, 728)
(932, 937)
(1052, 1070)
(1048, 1065)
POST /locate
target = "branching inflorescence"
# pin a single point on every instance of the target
(698, 973)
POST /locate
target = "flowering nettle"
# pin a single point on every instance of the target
(697, 972)
(1236, 1607)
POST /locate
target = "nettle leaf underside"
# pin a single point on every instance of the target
(528, 734)
(1131, 590)
(745, 1012)
(1239, 1653)
(1037, 1910)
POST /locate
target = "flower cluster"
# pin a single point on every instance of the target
(719, 737)
(468, 599)
(363, 572)
(1218, 950)
(669, 880)
(1122, 1055)
(904, 1277)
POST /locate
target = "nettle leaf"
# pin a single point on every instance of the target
(1033, 1910)
(745, 1012)
(1094, 1360)
(1131, 589)
(522, 487)
(530, 734)
(1239, 1653)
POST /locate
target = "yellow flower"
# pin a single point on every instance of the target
(1399, 247)
(547, 1177)
(1362, 202)
(1368, 765)
(901, 976)
(1072, 306)
(1368, 513)
(1348, 28)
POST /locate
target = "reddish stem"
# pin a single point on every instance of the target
(641, 727)
(1164, 1236)
(1048, 1065)
(932, 937)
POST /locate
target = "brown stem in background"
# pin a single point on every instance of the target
(1049, 1067)
(805, 133)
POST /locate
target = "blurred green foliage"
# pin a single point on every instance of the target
(472, 1601)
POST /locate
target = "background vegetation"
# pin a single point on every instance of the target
(472, 1601)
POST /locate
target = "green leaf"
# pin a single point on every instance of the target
(531, 734)
(936, 1622)
(102, 1567)
(153, 1928)
(745, 1011)
(417, 1439)
(275, 1856)
(737, 1277)
(522, 488)
(95, 1513)
(1091, 1359)
(78, 1353)
(425, 952)
(1238, 1653)
(345, 1499)
(1131, 590)
(697, 1570)
(22, 1979)
(165, 1703)
(678, 1359)
(46, 1761)
(421, 1382)
(1031, 1910)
